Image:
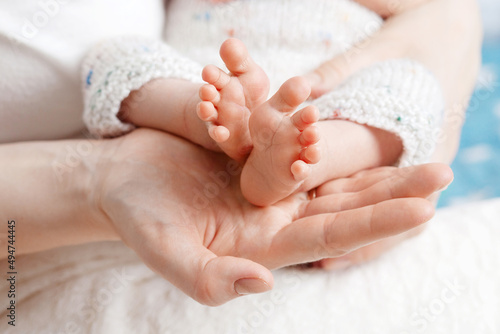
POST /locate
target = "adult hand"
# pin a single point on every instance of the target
(180, 208)
(443, 35)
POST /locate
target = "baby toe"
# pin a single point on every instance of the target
(311, 154)
(291, 94)
(305, 117)
(209, 93)
(215, 76)
(300, 170)
(309, 136)
(206, 111)
(218, 133)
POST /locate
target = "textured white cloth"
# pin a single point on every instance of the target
(393, 95)
(105, 288)
(115, 68)
(42, 45)
(287, 38)
(442, 281)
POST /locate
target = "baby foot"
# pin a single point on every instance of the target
(228, 98)
(284, 145)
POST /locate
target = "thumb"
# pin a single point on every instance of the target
(378, 47)
(220, 279)
(207, 278)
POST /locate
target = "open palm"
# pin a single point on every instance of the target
(181, 209)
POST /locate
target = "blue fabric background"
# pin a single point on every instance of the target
(477, 165)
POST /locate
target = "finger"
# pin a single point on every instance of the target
(376, 48)
(207, 278)
(367, 253)
(331, 235)
(432, 175)
(421, 181)
(355, 182)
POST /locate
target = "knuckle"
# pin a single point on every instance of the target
(332, 246)
(204, 295)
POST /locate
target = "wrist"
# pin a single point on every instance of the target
(51, 194)
(88, 184)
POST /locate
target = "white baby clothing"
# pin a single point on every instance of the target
(286, 38)
(42, 46)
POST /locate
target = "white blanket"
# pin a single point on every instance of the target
(446, 280)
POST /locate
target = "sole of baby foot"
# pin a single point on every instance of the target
(224, 111)
(228, 97)
(285, 145)
(252, 77)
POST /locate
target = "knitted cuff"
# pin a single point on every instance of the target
(400, 96)
(115, 68)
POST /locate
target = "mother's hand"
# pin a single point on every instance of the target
(443, 35)
(180, 208)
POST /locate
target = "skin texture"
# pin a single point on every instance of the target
(140, 188)
(180, 208)
(448, 44)
(280, 153)
(193, 226)
(228, 99)
(287, 150)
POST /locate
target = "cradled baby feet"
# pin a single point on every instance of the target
(284, 145)
(228, 98)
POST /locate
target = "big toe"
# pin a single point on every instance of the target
(291, 94)
(236, 57)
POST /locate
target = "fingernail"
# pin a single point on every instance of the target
(443, 188)
(247, 286)
(338, 264)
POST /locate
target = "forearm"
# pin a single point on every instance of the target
(452, 54)
(448, 46)
(47, 190)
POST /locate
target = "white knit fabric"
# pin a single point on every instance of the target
(399, 96)
(115, 68)
(286, 38)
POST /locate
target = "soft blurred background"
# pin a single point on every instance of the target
(477, 165)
